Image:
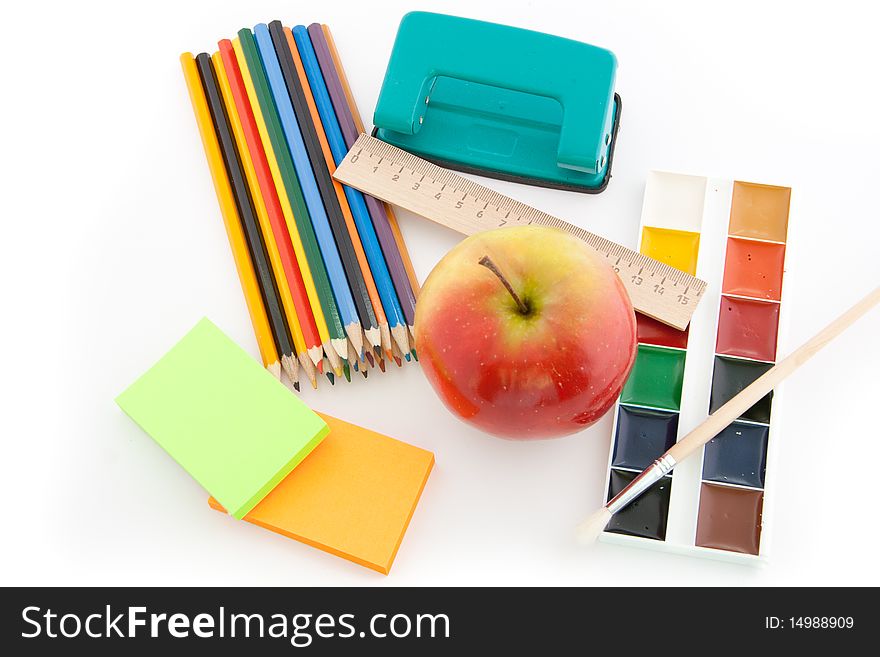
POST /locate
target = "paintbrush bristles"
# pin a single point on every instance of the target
(588, 531)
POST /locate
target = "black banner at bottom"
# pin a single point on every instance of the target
(107, 621)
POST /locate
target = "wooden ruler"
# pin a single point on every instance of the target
(400, 178)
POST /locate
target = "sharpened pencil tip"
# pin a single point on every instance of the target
(415, 354)
(331, 378)
(290, 367)
(296, 386)
(316, 354)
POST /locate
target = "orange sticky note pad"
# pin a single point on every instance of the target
(353, 496)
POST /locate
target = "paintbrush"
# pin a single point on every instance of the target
(589, 530)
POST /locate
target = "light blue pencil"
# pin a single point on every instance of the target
(314, 202)
(372, 248)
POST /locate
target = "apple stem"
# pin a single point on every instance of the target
(488, 264)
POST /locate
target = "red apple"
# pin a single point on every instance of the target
(525, 332)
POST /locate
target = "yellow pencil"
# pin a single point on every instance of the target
(265, 226)
(323, 332)
(231, 220)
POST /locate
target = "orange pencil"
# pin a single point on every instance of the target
(375, 337)
(359, 124)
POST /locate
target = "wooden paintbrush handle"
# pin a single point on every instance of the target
(721, 418)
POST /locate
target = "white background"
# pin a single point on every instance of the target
(113, 246)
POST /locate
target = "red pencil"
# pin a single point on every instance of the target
(273, 205)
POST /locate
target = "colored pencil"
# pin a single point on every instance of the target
(287, 303)
(292, 274)
(313, 214)
(359, 125)
(323, 267)
(377, 209)
(373, 335)
(324, 182)
(231, 221)
(357, 202)
(301, 233)
(249, 224)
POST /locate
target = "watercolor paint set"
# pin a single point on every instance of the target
(734, 235)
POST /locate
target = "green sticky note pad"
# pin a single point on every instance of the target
(231, 424)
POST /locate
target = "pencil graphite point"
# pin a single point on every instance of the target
(370, 360)
(291, 369)
(346, 370)
(309, 368)
(400, 339)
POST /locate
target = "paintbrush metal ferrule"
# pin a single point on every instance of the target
(651, 475)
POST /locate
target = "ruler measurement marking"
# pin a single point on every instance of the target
(630, 265)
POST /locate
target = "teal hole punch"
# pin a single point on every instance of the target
(501, 101)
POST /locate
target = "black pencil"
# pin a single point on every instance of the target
(322, 177)
(253, 236)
